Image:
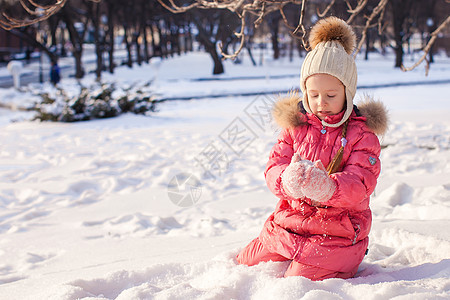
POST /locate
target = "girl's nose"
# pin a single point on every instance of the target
(321, 101)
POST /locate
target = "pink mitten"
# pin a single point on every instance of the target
(293, 175)
(316, 184)
(295, 158)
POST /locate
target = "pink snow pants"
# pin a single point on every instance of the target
(255, 253)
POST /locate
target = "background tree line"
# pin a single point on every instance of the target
(147, 29)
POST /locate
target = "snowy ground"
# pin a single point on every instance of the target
(87, 209)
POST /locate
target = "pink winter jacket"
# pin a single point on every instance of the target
(335, 235)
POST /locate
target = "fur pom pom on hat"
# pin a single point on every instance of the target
(333, 29)
(332, 41)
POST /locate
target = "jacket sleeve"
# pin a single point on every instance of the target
(358, 179)
(279, 158)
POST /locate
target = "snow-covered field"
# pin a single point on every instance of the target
(88, 210)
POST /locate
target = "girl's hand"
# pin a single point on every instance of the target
(291, 179)
(293, 176)
(316, 184)
(302, 178)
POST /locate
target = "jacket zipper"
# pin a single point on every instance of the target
(319, 144)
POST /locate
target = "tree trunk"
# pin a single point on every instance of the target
(431, 55)
(62, 41)
(398, 49)
(177, 40)
(211, 49)
(249, 45)
(431, 52)
(383, 44)
(110, 35)
(162, 42)
(77, 42)
(79, 70)
(398, 54)
(291, 50)
(400, 12)
(146, 49)
(128, 46)
(154, 46)
(218, 66)
(275, 45)
(138, 48)
(53, 26)
(186, 38)
(143, 30)
(170, 39)
(366, 54)
(274, 24)
(189, 40)
(261, 53)
(94, 11)
(210, 46)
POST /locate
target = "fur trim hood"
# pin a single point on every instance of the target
(288, 112)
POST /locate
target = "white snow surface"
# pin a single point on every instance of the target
(86, 213)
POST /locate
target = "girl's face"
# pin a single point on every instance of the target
(326, 95)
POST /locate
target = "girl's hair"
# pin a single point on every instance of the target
(335, 163)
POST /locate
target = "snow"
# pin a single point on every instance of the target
(87, 213)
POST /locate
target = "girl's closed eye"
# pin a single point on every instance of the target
(331, 96)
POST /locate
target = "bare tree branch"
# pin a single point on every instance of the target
(348, 5)
(231, 5)
(324, 13)
(376, 11)
(381, 27)
(176, 9)
(39, 13)
(356, 11)
(285, 20)
(261, 8)
(28, 10)
(300, 25)
(261, 16)
(427, 48)
(240, 35)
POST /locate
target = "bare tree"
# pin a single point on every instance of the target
(365, 15)
(34, 12)
(401, 26)
(213, 26)
(273, 21)
(71, 15)
(30, 33)
(93, 14)
(262, 8)
(427, 48)
(111, 5)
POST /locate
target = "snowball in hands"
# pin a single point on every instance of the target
(302, 179)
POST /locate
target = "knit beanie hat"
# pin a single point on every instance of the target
(332, 41)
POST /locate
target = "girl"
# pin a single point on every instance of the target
(322, 220)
